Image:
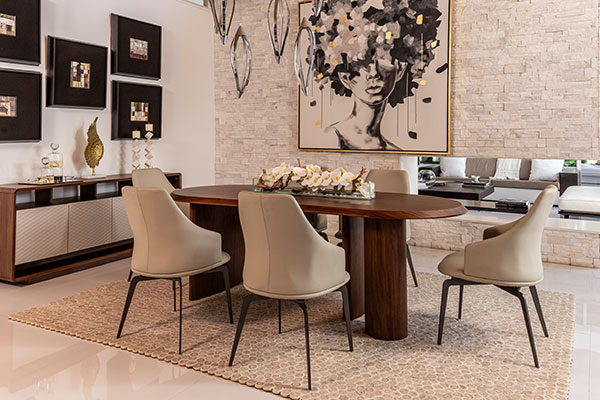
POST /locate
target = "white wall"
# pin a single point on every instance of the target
(188, 129)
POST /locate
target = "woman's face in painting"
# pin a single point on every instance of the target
(375, 83)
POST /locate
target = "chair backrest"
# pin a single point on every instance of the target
(284, 254)
(165, 240)
(515, 255)
(391, 181)
(151, 177)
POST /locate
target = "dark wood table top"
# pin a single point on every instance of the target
(384, 206)
(457, 191)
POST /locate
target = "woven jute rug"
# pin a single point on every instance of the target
(486, 355)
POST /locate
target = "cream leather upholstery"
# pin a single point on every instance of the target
(391, 181)
(285, 256)
(509, 255)
(154, 177)
(166, 243)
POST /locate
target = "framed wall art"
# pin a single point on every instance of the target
(76, 74)
(380, 78)
(20, 31)
(20, 106)
(135, 48)
(133, 107)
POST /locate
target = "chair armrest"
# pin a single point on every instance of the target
(497, 230)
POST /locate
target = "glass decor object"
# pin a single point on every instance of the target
(46, 173)
(241, 61)
(426, 176)
(304, 79)
(55, 162)
(278, 24)
(297, 190)
(222, 11)
(317, 7)
(314, 181)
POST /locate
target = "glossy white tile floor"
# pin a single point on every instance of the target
(38, 364)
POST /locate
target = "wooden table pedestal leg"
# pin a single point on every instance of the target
(386, 309)
(353, 242)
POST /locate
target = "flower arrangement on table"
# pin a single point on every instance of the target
(312, 179)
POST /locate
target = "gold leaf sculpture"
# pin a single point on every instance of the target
(95, 149)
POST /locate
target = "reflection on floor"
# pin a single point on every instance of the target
(38, 364)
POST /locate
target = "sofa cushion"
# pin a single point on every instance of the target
(453, 167)
(483, 167)
(525, 169)
(508, 168)
(582, 199)
(545, 170)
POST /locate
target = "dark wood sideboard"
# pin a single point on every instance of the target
(52, 230)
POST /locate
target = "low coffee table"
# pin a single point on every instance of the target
(452, 190)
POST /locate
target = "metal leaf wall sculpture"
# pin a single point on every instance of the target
(241, 60)
(304, 79)
(278, 24)
(317, 7)
(220, 10)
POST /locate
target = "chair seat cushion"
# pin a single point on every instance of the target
(454, 265)
(582, 199)
(224, 260)
(302, 296)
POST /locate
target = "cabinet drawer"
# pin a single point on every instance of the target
(120, 224)
(89, 224)
(41, 233)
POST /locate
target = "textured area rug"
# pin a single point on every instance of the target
(484, 355)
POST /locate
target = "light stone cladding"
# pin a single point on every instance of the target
(524, 84)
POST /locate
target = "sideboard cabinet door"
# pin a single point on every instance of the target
(89, 224)
(120, 224)
(41, 233)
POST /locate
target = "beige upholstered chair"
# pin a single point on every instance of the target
(167, 245)
(394, 181)
(509, 257)
(154, 177)
(287, 260)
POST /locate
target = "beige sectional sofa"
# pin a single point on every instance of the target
(486, 169)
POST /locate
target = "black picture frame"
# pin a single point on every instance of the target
(60, 92)
(22, 46)
(125, 60)
(23, 89)
(123, 95)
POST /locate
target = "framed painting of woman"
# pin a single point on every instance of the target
(381, 77)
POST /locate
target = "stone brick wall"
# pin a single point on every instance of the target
(524, 84)
(558, 246)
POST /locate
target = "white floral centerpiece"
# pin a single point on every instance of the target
(312, 179)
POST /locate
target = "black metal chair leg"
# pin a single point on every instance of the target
(245, 306)
(346, 305)
(180, 310)
(445, 286)
(279, 314)
(517, 293)
(132, 286)
(302, 305)
(129, 277)
(411, 266)
(225, 271)
(324, 236)
(460, 300)
(174, 295)
(538, 307)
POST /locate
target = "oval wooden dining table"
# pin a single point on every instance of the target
(373, 236)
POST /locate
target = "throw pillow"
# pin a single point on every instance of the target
(545, 170)
(508, 168)
(453, 167)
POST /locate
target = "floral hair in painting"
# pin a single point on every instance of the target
(353, 34)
